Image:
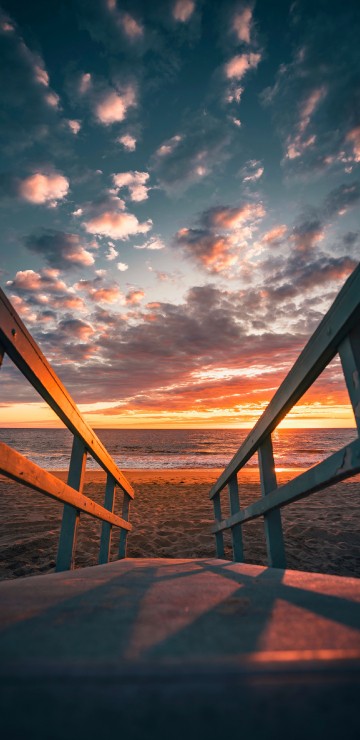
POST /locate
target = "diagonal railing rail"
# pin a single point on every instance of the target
(338, 332)
(19, 345)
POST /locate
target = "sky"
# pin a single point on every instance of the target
(179, 197)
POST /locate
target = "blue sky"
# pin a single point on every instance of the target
(179, 195)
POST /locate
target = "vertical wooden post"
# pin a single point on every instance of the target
(70, 520)
(2, 352)
(349, 351)
(106, 529)
(236, 533)
(272, 520)
(124, 532)
(219, 537)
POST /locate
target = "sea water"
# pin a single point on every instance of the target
(177, 448)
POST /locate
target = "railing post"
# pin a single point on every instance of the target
(219, 537)
(71, 516)
(349, 351)
(123, 532)
(236, 533)
(106, 529)
(272, 520)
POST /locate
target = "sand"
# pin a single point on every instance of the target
(172, 516)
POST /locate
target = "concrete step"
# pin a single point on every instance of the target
(180, 648)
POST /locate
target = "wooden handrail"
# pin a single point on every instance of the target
(343, 315)
(338, 332)
(27, 356)
(18, 468)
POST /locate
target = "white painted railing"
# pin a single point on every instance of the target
(338, 332)
(20, 346)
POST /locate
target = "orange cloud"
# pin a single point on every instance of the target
(41, 188)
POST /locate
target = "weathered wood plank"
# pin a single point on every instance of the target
(219, 538)
(272, 519)
(106, 529)
(123, 533)
(236, 532)
(341, 318)
(342, 464)
(24, 471)
(71, 516)
(349, 352)
(27, 356)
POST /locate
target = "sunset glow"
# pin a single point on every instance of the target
(179, 193)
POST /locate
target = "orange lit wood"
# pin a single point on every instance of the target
(24, 471)
(339, 321)
(27, 356)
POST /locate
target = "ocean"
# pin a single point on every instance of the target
(177, 448)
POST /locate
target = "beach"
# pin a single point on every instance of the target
(172, 516)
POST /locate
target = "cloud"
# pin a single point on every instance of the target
(135, 182)
(31, 113)
(252, 171)
(315, 98)
(230, 218)
(98, 291)
(61, 250)
(111, 106)
(240, 64)
(241, 24)
(224, 234)
(116, 225)
(341, 199)
(301, 139)
(134, 297)
(122, 266)
(46, 280)
(107, 216)
(353, 136)
(155, 243)
(190, 156)
(307, 234)
(74, 126)
(112, 253)
(275, 236)
(183, 10)
(76, 328)
(131, 27)
(41, 188)
(128, 142)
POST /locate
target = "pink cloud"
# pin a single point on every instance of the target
(183, 10)
(134, 182)
(275, 235)
(235, 218)
(237, 67)
(354, 137)
(116, 225)
(131, 27)
(74, 126)
(47, 280)
(134, 297)
(40, 188)
(112, 106)
(241, 24)
(301, 141)
(128, 142)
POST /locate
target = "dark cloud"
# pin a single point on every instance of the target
(341, 199)
(316, 96)
(60, 250)
(31, 111)
(192, 154)
(225, 231)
